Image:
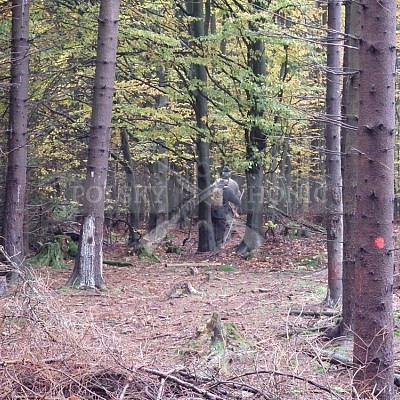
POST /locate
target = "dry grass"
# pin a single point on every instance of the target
(134, 342)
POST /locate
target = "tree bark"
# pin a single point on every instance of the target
(158, 168)
(334, 205)
(206, 232)
(350, 112)
(373, 316)
(316, 176)
(133, 195)
(14, 207)
(255, 142)
(88, 268)
(158, 195)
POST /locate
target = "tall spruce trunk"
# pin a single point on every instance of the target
(334, 204)
(350, 166)
(373, 316)
(88, 271)
(14, 207)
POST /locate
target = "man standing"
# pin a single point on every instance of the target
(221, 197)
(232, 211)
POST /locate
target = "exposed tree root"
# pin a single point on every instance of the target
(336, 331)
(340, 359)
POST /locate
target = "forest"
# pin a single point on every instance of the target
(199, 200)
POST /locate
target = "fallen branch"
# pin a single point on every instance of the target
(310, 313)
(3, 363)
(293, 332)
(216, 384)
(160, 393)
(335, 358)
(244, 387)
(309, 381)
(312, 227)
(118, 263)
(122, 395)
(80, 384)
(199, 264)
(180, 382)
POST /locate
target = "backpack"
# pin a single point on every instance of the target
(217, 197)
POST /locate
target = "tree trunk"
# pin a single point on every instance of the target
(14, 207)
(176, 190)
(113, 183)
(373, 316)
(255, 142)
(287, 201)
(158, 193)
(158, 196)
(350, 111)
(255, 195)
(206, 232)
(315, 191)
(334, 205)
(133, 195)
(87, 272)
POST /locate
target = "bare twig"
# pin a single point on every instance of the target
(187, 385)
(122, 395)
(162, 383)
(24, 361)
(309, 381)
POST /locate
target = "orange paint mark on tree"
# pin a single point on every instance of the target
(379, 242)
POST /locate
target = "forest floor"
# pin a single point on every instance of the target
(147, 336)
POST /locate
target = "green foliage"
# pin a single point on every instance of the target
(323, 367)
(146, 252)
(175, 249)
(227, 268)
(154, 37)
(234, 337)
(54, 254)
(72, 248)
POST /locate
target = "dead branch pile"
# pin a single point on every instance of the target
(49, 353)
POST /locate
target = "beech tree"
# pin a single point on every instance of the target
(158, 194)
(255, 136)
(158, 191)
(200, 105)
(14, 207)
(87, 272)
(373, 317)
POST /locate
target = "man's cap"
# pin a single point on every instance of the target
(226, 172)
